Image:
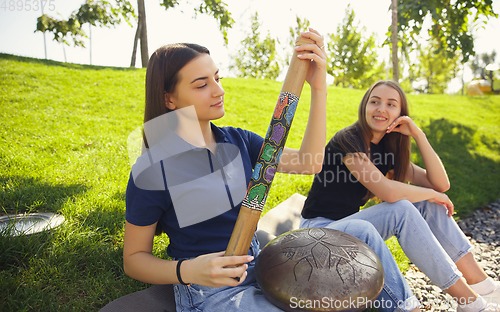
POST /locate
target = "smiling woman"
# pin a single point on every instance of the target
(381, 110)
(418, 214)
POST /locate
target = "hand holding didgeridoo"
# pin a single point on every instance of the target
(200, 245)
(309, 50)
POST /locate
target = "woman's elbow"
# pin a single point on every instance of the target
(388, 197)
(312, 169)
(128, 265)
(317, 163)
(306, 168)
(316, 168)
(132, 272)
(443, 188)
(126, 268)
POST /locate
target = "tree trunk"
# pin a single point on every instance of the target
(394, 39)
(136, 39)
(463, 81)
(90, 42)
(144, 33)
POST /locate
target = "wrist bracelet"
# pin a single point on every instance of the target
(178, 272)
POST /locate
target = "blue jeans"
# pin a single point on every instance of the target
(245, 297)
(396, 294)
(430, 239)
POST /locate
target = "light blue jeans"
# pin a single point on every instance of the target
(430, 239)
(245, 297)
(248, 296)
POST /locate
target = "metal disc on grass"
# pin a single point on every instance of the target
(24, 224)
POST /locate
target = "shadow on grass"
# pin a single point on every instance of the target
(20, 194)
(31, 60)
(109, 218)
(76, 267)
(474, 178)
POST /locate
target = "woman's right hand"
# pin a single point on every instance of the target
(316, 75)
(215, 270)
(442, 199)
(406, 126)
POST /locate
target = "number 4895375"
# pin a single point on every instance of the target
(27, 5)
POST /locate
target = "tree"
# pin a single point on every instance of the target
(404, 59)
(96, 13)
(480, 62)
(450, 22)
(141, 34)
(394, 39)
(353, 60)
(302, 25)
(437, 68)
(256, 58)
(103, 13)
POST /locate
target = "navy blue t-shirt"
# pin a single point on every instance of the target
(195, 195)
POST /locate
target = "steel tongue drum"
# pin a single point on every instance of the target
(319, 269)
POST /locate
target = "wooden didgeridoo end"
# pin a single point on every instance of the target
(243, 232)
(247, 220)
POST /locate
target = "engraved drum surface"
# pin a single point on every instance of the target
(319, 269)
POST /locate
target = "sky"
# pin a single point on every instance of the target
(113, 46)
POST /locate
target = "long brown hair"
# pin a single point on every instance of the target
(395, 143)
(162, 75)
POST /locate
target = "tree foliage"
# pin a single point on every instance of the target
(353, 60)
(217, 9)
(302, 25)
(110, 13)
(438, 69)
(451, 26)
(257, 58)
(96, 13)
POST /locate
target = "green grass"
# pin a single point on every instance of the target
(63, 148)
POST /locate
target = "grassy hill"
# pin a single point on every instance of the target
(63, 148)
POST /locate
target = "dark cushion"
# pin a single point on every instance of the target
(157, 298)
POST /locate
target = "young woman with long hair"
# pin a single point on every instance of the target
(211, 169)
(372, 158)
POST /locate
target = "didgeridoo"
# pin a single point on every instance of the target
(269, 156)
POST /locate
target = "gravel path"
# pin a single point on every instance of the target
(483, 228)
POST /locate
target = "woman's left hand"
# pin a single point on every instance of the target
(316, 76)
(405, 126)
(443, 199)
